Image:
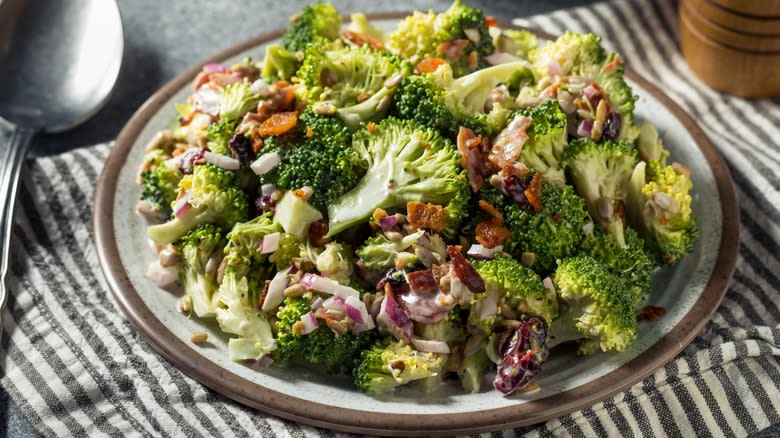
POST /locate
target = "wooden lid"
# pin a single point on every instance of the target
(737, 21)
(758, 8)
(726, 36)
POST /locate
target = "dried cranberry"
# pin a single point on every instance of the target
(611, 130)
(190, 159)
(241, 148)
(396, 279)
(523, 351)
(515, 187)
(264, 204)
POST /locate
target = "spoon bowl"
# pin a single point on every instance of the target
(59, 61)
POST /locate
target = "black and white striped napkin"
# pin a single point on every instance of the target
(75, 366)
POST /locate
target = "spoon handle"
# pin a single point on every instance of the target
(11, 159)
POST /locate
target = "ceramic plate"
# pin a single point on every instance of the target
(690, 292)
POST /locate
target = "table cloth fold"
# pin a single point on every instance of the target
(75, 366)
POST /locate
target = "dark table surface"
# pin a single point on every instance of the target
(164, 38)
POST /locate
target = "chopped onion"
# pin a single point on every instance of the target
(214, 68)
(501, 58)
(263, 88)
(590, 91)
(334, 303)
(182, 205)
(393, 318)
(265, 163)
(587, 228)
(356, 309)
(263, 362)
(267, 189)
(584, 128)
(428, 346)
(488, 306)
(473, 35)
(162, 276)
(207, 100)
(326, 285)
(275, 295)
(223, 161)
(309, 323)
(316, 303)
(388, 222)
(270, 243)
(554, 68)
(480, 252)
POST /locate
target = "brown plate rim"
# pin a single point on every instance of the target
(249, 393)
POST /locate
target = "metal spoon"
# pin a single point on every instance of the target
(59, 61)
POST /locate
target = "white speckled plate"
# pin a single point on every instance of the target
(690, 292)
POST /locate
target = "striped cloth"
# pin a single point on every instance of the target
(75, 366)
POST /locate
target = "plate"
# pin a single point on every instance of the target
(690, 292)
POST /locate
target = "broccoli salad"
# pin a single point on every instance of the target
(432, 205)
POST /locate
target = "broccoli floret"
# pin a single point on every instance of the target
(335, 352)
(237, 99)
(517, 42)
(407, 162)
(539, 238)
(472, 370)
(387, 365)
(352, 80)
(659, 206)
(279, 64)
(295, 215)
(159, 186)
(323, 159)
(546, 140)
(317, 24)
(289, 248)
(246, 270)
(379, 252)
(430, 35)
(219, 135)
(358, 22)
(517, 286)
(599, 173)
(633, 265)
(439, 101)
(215, 198)
(335, 261)
(596, 307)
(197, 249)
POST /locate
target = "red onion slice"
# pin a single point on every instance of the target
(428, 346)
(356, 309)
(388, 222)
(223, 161)
(309, 323)
(275, 295)
(326, 285)
(265, 163)
(584, 128)
(207, 100)
(182, 205)
(480, 252)
(590, 91)
(270, 243)
(334, 303)
(214, 68)
(393, 318)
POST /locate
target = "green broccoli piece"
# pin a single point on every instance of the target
(547, 139)
(335, 352)
(472, 370)
(160, 186)
(659, 206)
(517, 42)
(633, 265)
(323, 160)
(387, 365)
(439, 101)
(215, 199)
(279, 64)
(599, 173)
(539, 238)
(197, 249)
(246, 270)
(597, 309)
(317, 24)
(517, 286)
(289, 248)
(427, 35)
(351, 79)
(406, 162)
(237, 99)
(380, 253)
(219, 134)
(358, 22)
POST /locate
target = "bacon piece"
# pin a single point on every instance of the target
(278, 124)
(465, 272)
(422, 281)
(360, 39)
(429, 65)
(509, 142)
(533, 194)
(498, 218)
(474, 151)
(452, 49)
(490, 234)
(317, 232)
(651, 313)
(421, 215)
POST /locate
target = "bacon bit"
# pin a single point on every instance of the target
(371, 127)
(509, 142)
(429, 65)
(317, 232)
(180, 149)
(263, 294)
(557, 217)
(281, 84)
(463, 269)
(617, 60)
(361, 39)
(309, 133)
(422, 281)
(398, 365)
(422, 215)
(278, 124)
(472, 59)
(452, 49)
(651, 313)
(492, 211)
(490, 233)
(491, 21)
(286, 99)
(474, 151)
(257, 145)
(534, 192)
